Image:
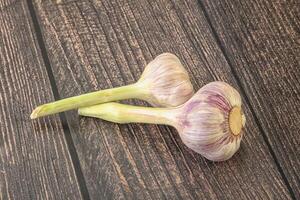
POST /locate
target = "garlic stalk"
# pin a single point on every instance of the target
(164, 82)
(210, 123)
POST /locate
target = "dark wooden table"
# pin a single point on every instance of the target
(54, 49)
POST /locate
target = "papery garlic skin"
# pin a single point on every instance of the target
(167, 82)
(205, 126)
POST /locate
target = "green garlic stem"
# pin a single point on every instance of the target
(122, 113)
(89, 99)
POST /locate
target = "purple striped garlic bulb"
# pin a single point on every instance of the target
(213, 121)
(164, 83)
(210, 123)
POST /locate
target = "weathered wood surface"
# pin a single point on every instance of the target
(94, 45)
(34, 158)
(262, 42)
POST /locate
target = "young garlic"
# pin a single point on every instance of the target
(164, 82)
(210, 123)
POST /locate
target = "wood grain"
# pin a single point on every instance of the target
(94, 45)
(262, 42)
(34, 158)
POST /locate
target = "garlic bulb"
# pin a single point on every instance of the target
(210, 123)
(167, 81)
(164, 82)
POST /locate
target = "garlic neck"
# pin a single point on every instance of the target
(89, 99)
(121, 113)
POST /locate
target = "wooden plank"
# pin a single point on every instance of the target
(34, 158)
(261, 41)
(94, 45)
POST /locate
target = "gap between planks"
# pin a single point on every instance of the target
(62, 116)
